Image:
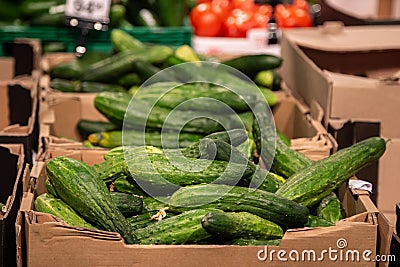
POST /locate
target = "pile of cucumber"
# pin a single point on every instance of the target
(143, 71)
(203, 193)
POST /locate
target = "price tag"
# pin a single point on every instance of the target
(88, 13)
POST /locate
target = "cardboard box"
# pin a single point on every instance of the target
(323, 65)
(360, 12)
(11, 189)
(46, 241)
(18, 113)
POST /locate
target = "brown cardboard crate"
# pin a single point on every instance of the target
(18, 109)
(11, 189)
(47, 238)
(323, 65)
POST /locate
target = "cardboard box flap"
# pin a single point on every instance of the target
(343, 39)
(58, 228)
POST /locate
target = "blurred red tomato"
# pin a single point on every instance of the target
(290, 16)
(222, 8)
(204, 21)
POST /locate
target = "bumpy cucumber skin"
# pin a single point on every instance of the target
(184, 228)
(255, 242)
(286, 161)
(330, 208)
(311, 184)
(267, 205)
(316, 221)
(127, 204)
(50, 204)
(80, 187)
(240, 225)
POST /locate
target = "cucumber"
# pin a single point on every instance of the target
(79, 186)
(152, 204)
(116, 166)
(48, 19)
(64, 85)
(134, 138)
(184, 228)
(234, 137)
(283, 137)
(316, 221)
(129, 80)
(233, 225)
(87, 127)
(147, 18)
(252, 64)
(117, 13)
(47, 203)
(123, 41)
(163, 174)
(261, 179)
(255, 242)
(146, 70)
(173, 94)
(248, 148)
(125, 184)
(114, 105)
(286, 161)
(70, 70)
(129, 205)
(164, 10)
(270, 206)
(34, 7)
(330, 208)
(145, 219)
(311, 184)
(115, 66)
(96, 87)
(50, 188)
(268, 78)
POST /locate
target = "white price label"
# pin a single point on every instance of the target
(89, 10)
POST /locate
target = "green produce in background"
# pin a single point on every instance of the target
(129, 205)
(330, 208)
(87, 127)
(171, 12)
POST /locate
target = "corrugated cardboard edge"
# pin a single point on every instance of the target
(365, 220)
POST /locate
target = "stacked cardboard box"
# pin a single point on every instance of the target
(13, 169)
(351, 73)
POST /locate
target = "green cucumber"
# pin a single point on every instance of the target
(252, 64)
(123, 41)
(255, 242)
(221, 150)
(173, 94)
(184, 228)
(311, 184)
(87, 127)
(146, 70)
(116, 166)
(96, 87)
(49, 204)
(316, 221)
(50, 188)
(117, 13)
(147, 18)
(165, 9)
(129, 205)
(283, 137)
(70, 70)
(48, 19)
(233, 225)
(114, 106)
(115, 66)
(125, 184)
(152, 204)
(79, 186)
(64, 85)
(270, 206)
(35, 7)
(268, 78)
(135, 138)
(130, 79)
(286, 161)
(330, 208)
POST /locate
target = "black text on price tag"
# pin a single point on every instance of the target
(88, 13)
